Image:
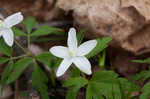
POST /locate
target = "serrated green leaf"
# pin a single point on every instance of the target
(4, 48)
(104, 76)
(3, 60)
(72, 92)
(105, 84)
(126, 85)
(101, 45)
(6, 73)
(18, 32)
(39, 80)
(45, 58)
(74, 85)
(45, 30)
(92, 92)
(80, 81)
(19, 67)
(29, 23)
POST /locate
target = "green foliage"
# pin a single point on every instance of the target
(39, 80)
(103, 85)
(74, 85)
(80, 81)
(102, 59)
(4, 48)
(126, 85)
(142, 76)
(45, 58)
(45, 30)
(18, 32)
(101, 45)
(75, 72)
(107, 85)
(145, 91)
(6, 73)
(19, 67)
(29, 23)
(80, 37)
(147, 60)
(47, 39)
(3, 60)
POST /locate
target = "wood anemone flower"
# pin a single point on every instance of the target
(74, 54)
(6, 25)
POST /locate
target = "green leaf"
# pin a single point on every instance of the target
(104, 84)
(142, 76)
(74, 85)
(3, 60)
(80, 37)
(18, 32)
(39, 80)
(101, 45)
(80, 81)
(6, 73)
(19, 67)
(145, 91)
(92, 92)
(29, 23)
(147, 60)
(72, 92)
(47, 39)
(4, 48)
(104, 76)
(75, 72)
(38, 75)
(57, 63)
(45, 30)
(126, 85)
(45, 58)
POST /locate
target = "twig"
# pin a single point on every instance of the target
(21, 56)
(16, 94)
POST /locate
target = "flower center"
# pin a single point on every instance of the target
(72, 53)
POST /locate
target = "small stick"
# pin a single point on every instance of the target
(16, 93)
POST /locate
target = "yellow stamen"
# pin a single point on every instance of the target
(72, 53)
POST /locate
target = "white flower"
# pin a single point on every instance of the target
(74, 54)
(5, 27)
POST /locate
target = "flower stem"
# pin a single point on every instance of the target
(21, 56)
(21, 47)
(28, 40)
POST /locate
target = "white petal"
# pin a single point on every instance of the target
(83, 64)
(86, 47)
(8, 36)
(60, 51)
(65, 64)
(13, 19)
(72, 40)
